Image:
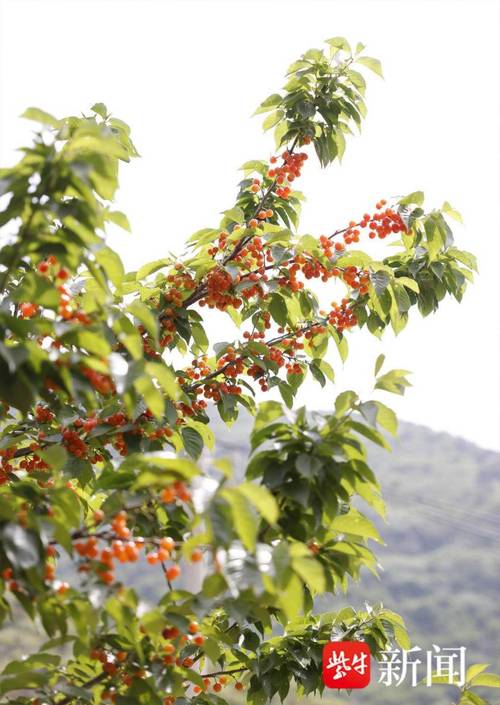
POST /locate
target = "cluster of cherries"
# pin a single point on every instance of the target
(117, 664)
(342, 316)
(180, 281)
(121, 546)
(380, 224)
(100, 381)
(219, 285)
(72, 441)
(49, 574)
(219, 282)
(67, 308)
(74, 444)
(216, 684)
(290, 169)
(176, 640)
(6, 466)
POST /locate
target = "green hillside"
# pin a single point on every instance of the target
(441, 564)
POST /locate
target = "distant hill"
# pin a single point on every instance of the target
(441, 564)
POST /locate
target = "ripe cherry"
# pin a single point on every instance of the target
(28, 310)
(173, 572)
(196, 555)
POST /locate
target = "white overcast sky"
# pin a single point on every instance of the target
(187, 76)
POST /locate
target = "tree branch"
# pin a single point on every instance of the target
(269, 343)
(201, 290)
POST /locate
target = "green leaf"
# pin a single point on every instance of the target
(470, 698)
(269, 103)
(157, 471)
(409, 283)
(100, 109)
(378, 363)
(325, 368)
(235, 215)
(317, 373)
(435, 241)
(22, 546)
(141, 692)
(151, 395)
(55, 456)
(291, 597)
(401, 636)
(441, 679)
(262, 500)
(380, 281)
(357, 524)
(372, 64)
(24, 681)
(244, 518)
(475, 670)
(41, 116)
(67, 506)
(193, 442)
(339, 43)
(369, 433)
(311, 571)
(255, 165)
(36, 289)
(402, 299)
(358, 258)
(488, 680)
(416, 198)
(464, 257)
(394, 381)
(449, 210)
(306, 108)
(31, 663)
(272, 119)
(111, 263)
(344, 402)
(369, 411)
(392, 617)
(120, 219)
(88, 340)
(144, 315)
(267, 412)
(278, 310)
(286, 393)
(387, 418)
(199, 335)
(165, 377)
(151, 267)
(308, 465)
(280, 131)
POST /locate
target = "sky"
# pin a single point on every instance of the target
(187, 76)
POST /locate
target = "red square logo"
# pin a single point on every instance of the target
(346, 664)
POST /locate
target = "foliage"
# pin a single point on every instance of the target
(441, 531)
(104, 421)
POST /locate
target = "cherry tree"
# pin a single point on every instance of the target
(109, 383)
